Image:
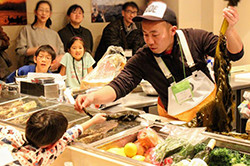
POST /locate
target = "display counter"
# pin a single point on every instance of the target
(81, 154)
(91, 149)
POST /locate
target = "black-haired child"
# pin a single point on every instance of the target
(46, 137)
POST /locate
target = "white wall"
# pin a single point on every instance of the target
(205, 14)
(242, 26)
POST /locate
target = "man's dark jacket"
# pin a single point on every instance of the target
(115, 34)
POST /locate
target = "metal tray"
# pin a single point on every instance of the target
(127, 137)
(69, 108)
(98, 133)
(20, 121)
(8, 95)
(120, 141)
(21, 106)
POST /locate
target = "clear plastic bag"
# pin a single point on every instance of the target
(149, 138)
(180, 143)
(109, 66)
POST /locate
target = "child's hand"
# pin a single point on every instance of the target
(99, 118)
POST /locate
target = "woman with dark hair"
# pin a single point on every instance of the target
(37, 34)
(75, 15)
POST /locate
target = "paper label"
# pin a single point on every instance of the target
(128, 53)
(182, 91)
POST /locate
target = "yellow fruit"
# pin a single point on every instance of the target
(113, 150)
(138, 157)
(122, 153)
(118, 151)
(130, 149)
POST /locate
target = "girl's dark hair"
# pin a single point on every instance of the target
(45, 127)
(48, 22)
(47, 48)
(73, 8)
(132, 4)
(73, 39)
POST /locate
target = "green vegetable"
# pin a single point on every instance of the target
(199, 147)
(168, 147)
(187, 152)
(227, 157)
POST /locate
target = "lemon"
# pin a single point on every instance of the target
(114, 150)
(130, 149)
(138, 157)
(119, 151)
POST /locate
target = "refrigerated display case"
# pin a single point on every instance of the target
(91, 148)
(120, 141)
(20, 106)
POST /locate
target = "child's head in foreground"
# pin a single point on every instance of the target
(45, 127)
(43, 58)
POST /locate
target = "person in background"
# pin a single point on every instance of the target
(43, 59)
(159, 26)
(75, 15)
(122, 32)
(46, 137)
(5, 63)
(76, 63)
(37, 34)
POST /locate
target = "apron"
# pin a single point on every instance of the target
(188, 96)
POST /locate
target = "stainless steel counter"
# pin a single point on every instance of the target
(138, 100)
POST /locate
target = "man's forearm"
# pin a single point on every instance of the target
(105, 95)
(234, 43)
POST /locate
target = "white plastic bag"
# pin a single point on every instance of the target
(107, 68)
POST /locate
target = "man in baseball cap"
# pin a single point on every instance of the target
(157, 11)
(159, 25)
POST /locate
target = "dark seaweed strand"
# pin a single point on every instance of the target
(86, 112)
(233, 2)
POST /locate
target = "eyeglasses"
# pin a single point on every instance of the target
(131, 12)
(48, 58)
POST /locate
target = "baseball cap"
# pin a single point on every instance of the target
(157, 11)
